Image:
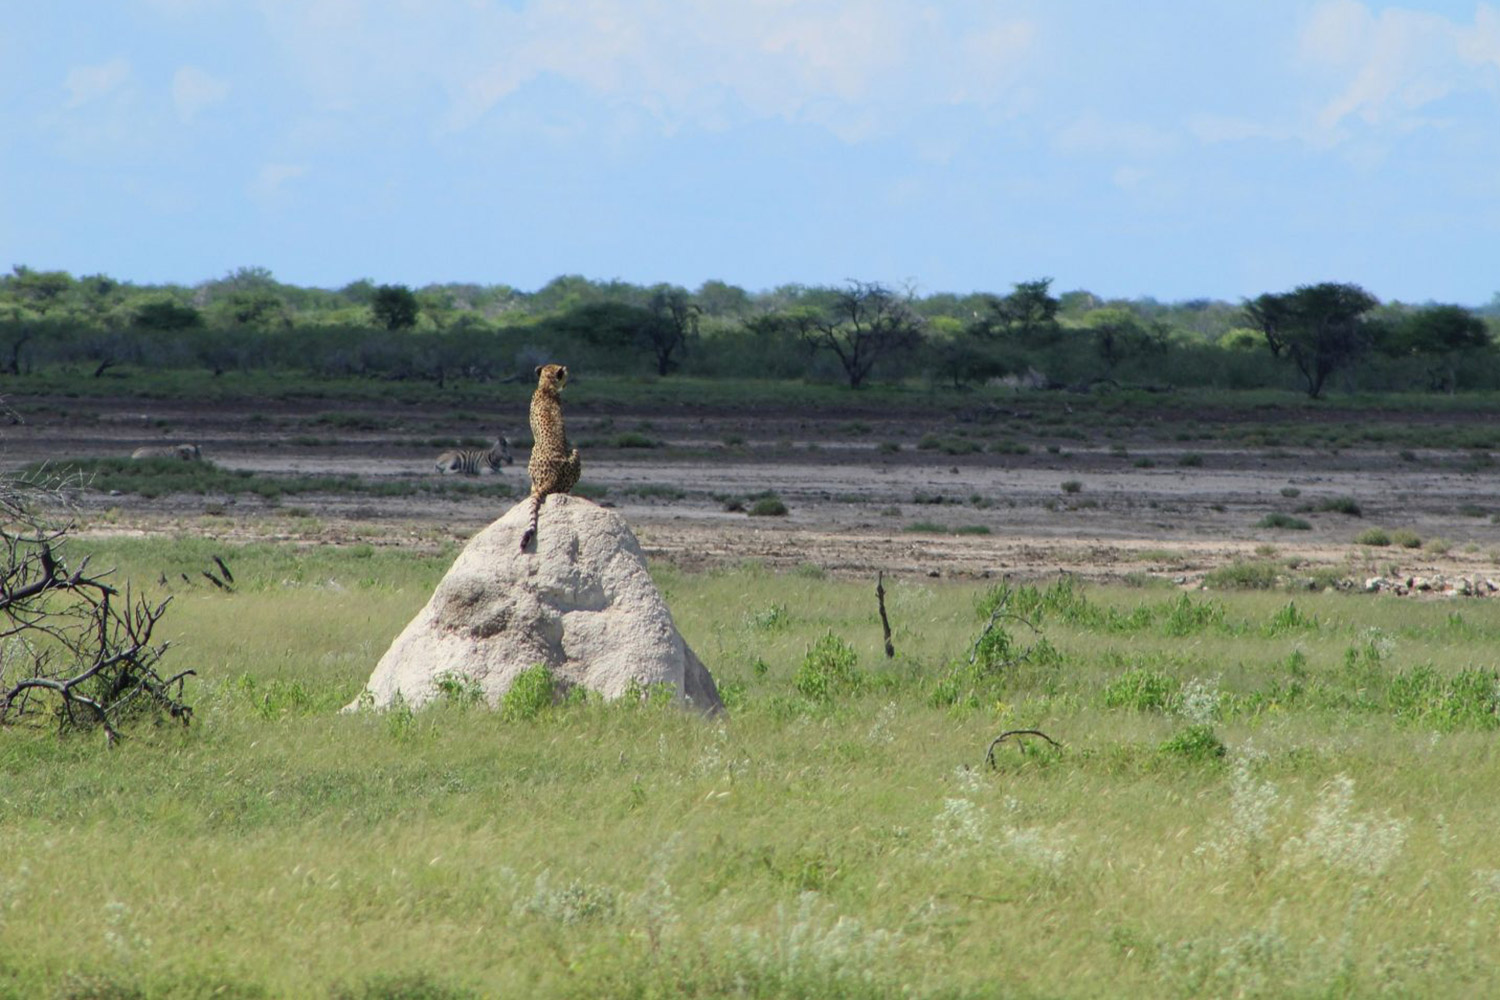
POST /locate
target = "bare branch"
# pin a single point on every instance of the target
(76, 650)
(989, 755)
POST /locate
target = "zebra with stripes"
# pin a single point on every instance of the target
(476, 461)
(186, 452)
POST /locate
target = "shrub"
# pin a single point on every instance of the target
(1071, 486)
(768, 507)
(1468, 700)
(1196, 743)
(1257, 575)
(1290, 492)
(1290, 618)
(459, 689)
(830, 668)
(1184, 617)
(530, 694)
(1373, 536)
(1280, 520)
(1141, 690)
(1406, 539)
(1190, 459)
(1340, 505)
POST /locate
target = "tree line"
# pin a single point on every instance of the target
(1313, 337)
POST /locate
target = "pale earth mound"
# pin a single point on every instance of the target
(580, 601)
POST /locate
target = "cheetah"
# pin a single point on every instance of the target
(554, 466)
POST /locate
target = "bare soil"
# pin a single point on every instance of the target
(1140, 504)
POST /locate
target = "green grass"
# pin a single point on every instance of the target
(1253, 798)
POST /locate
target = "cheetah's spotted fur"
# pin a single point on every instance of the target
(554, 465)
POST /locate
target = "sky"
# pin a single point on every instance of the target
(1177, 149)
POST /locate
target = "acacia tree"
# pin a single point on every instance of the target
(1320, 328)
(1027, 315)
(862, 324)
(674, 323)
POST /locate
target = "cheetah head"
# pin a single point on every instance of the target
(552, 376)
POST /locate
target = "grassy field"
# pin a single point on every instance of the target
(1258, 794)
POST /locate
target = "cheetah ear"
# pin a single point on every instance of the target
(538, 372)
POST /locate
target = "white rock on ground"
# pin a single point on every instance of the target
(580, 601)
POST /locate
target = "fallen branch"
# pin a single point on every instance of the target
(989, 755)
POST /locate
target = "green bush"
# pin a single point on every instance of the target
(1141, 690)
(1406, 539)
(829, 669)
(1280, 520)
(531, 693)
(1373, 536)
(1072, 486)
(1468, 700)
(768, 507)
(1196, 743)
(1340, 505)
(1253, 575)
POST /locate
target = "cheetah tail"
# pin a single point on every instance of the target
(536, 512)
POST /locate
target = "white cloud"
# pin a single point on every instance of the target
(1391, 65)
(193, 90)
(1094, 134)
(854, 67)
(89, 83)
(272, 177)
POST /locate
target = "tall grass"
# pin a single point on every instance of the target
(836, 834)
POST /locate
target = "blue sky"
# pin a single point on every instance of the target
(1175, 149)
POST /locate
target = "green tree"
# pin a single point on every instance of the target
(862, 324)
(719, 299)
(1118, 334)
(674, 325)
(165, 314)
(40, 290)
(1027, 316)
(964, 359)
(1320, 328)
(395, 307)
(1444, 336)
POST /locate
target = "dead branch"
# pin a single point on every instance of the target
(885, 623)
(73, 647)
(989, 755)
(995, 616)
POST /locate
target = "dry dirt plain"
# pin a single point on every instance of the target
(853, 502)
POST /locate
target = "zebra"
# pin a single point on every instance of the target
(186, 452)
(475, 461)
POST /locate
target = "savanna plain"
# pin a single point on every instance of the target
(1247, 776)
